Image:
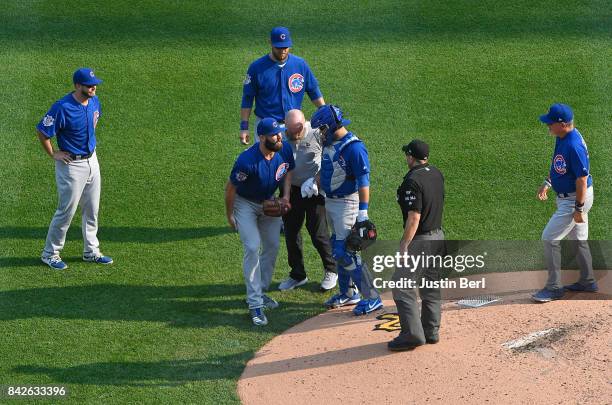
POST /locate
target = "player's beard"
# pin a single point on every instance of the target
(273, 146)
(85, 92)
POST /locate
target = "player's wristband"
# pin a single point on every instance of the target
(579, 207)
(547, 183)
(363, 206)
(244, 125)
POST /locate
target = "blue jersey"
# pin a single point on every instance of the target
(342, 164)
(278, 89)
(257, 178)
(570, 161)
(73, 123)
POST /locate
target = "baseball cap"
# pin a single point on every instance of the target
(280, 37)
(417, 149)
(269, 126)
(558, 113)
(85, 76)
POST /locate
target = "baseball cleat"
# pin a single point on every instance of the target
(55, 262)
(397, 345)
(546, 295)
(269, 302)
(341, 299)
(432, 340)
(591, 287)
(366, 306)
(258, 317)
(290, 284)
(100, 259)
(329, 281)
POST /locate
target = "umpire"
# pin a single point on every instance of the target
(421, 199)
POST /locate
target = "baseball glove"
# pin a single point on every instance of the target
(363, 234)
(276, 207)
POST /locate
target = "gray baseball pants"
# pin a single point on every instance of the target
(257, 230)
(78, 183)
(562, 225)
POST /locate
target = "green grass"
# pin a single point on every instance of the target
(167, 322)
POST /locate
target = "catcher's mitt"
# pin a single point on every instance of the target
(276, 207)
(363, 234)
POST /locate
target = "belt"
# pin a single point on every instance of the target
(79, 157)
(565, 195)
(253, 200)
(429, 232)
(339, 196)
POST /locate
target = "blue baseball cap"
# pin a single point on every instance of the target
(269, 126)
(558, 113)
(280, 37)
(85, 76)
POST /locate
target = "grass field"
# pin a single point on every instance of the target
(167, 322)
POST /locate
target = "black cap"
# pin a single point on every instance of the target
(417, 149)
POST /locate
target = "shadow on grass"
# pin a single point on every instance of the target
(223, 22)
(200, 306)
(120, 233)
(145, 374)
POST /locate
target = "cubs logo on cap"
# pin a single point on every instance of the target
(85, 76)
(269, 126)
(280, 37)
(296, 83)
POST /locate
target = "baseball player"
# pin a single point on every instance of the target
(277, 82)
(306, 202)
(255, 177)
(73, 120)
(571, 180)
(345, 179)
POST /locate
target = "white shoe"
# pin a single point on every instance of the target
(329, 281)
(290, 284)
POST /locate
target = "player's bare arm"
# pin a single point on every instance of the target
(581, 190)
(412, 223)
(48, 148)
(364, 194)
(245, 113)
(543, 190)
(287, 186)
(318, 102)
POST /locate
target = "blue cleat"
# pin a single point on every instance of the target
(258, 317)
(591, 287)
(546, 295)
(55, 262)
(341, 299)
(364, 307)
(100, 259)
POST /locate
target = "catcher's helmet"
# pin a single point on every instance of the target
(328, 118)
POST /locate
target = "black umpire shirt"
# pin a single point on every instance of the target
(423, 191)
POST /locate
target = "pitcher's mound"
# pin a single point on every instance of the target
(511, 351)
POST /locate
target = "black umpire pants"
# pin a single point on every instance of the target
(417, 326)
(313, 210)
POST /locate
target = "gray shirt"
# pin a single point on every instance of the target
(307, 155)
